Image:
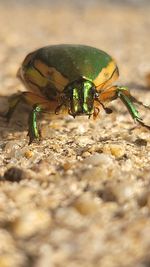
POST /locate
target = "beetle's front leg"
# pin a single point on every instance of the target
(33, 131)
(39, 105)
(124, 94)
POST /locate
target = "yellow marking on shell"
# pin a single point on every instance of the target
(107, 76)
(34, 76)
(30, 86)
(53, 76)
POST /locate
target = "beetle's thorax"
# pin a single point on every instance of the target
(80, 95)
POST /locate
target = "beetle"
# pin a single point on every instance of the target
(73, 78)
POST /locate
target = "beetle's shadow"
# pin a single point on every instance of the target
(19, 120)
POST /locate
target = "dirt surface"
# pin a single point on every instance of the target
(81, 196)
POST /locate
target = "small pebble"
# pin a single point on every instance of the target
(14, 174)
(28, 154)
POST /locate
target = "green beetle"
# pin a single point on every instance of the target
(73, 78)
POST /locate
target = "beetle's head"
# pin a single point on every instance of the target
(80, 95)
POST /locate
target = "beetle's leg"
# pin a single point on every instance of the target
(13, 102)
(33, 131)
(124, 94)
(43, 107)
(132, 98)
(106, 96)
(30, 98)
(40, 105)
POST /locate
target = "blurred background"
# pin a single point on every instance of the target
(78, 2)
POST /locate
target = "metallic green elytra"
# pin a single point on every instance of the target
(76, 79)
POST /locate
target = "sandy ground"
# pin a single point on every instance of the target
(81, 196)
